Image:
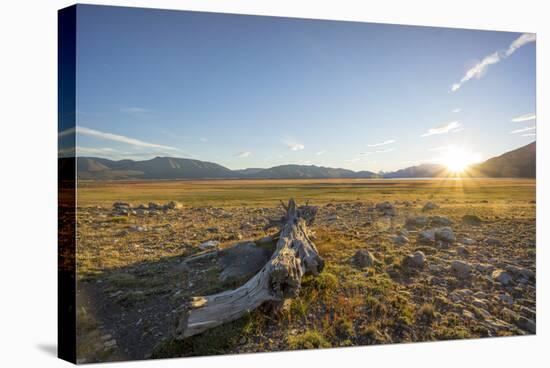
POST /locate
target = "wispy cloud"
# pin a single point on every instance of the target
(321, 152)
(523, 130)
(390, 141)
(529, 135)
(480, 68)
(243, 154)
(453, 126)
(114, 137)
(458, 109)
(293, 144)
(377, 151)
(524, 117)
(134, 110)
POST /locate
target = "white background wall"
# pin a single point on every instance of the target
(28, 196)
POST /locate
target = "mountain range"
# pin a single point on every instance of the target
(517, 163)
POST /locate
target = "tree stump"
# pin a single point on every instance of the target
(295, 256)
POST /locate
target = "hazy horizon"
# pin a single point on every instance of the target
(256, 92)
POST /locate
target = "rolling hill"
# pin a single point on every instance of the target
(519, 163)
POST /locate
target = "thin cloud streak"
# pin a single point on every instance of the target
(390, 141)
(452, 127)
(524, 117)
(114, 137)
(243, 154)
(479, 69)
(523, 130)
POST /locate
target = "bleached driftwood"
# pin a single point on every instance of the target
(295, 256)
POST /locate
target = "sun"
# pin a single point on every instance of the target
(458, 159)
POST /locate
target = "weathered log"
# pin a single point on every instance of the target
(295, 256)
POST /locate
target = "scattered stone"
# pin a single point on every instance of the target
(493, 241)
(209, 245)
(484, 267)
(333, 217)
(521, 272)
(400, 239)
(445, 234)
(137, 228)
(121, 205)
(386, 208)
(154, 206)
(530, 313)
(429, 206)
(417, 221)
(426, 237)
(462, 250)
(419, 258)
(527, 324)
(363, 258)
(461, 268)
(506, 299)
(468, 241)
(472, 220)
(502, 276)
(172, 205)
(440, 221)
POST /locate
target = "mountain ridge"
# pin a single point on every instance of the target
(520, 162)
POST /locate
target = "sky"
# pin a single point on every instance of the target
(250, 91)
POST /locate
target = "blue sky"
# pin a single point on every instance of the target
(247, 91)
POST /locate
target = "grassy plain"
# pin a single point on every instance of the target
(131, 280)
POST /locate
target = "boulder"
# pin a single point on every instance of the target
(400, 239)
(426, 237)
(461, 268)
(440, 221)
(445, 234)
(242, 260)
(417, 221)
(386, 208)
(418, 258)
(363, 258)
(502, 276)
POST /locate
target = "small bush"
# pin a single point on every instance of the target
(308, 340)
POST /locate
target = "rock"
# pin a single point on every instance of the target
(110, 343)
(445, 234)
(426, 237)
(209, 245)
(493, 241)
(429, 206)
(484, 267)
(172, 205)
(502, 276)
(363, 258)
(480, 303)
(137, 228)
(440, 221)
(154, 206)
(400, 239)
(506, 299)
(528, 312)
(472, 220)
(521, 272)
(242, 260)
(468, 241)
(417, 221)
(527, 324)
(333, 217)
(121, 205)
(461, 268)
(462, 250)
(418, 258)
(386, 208)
